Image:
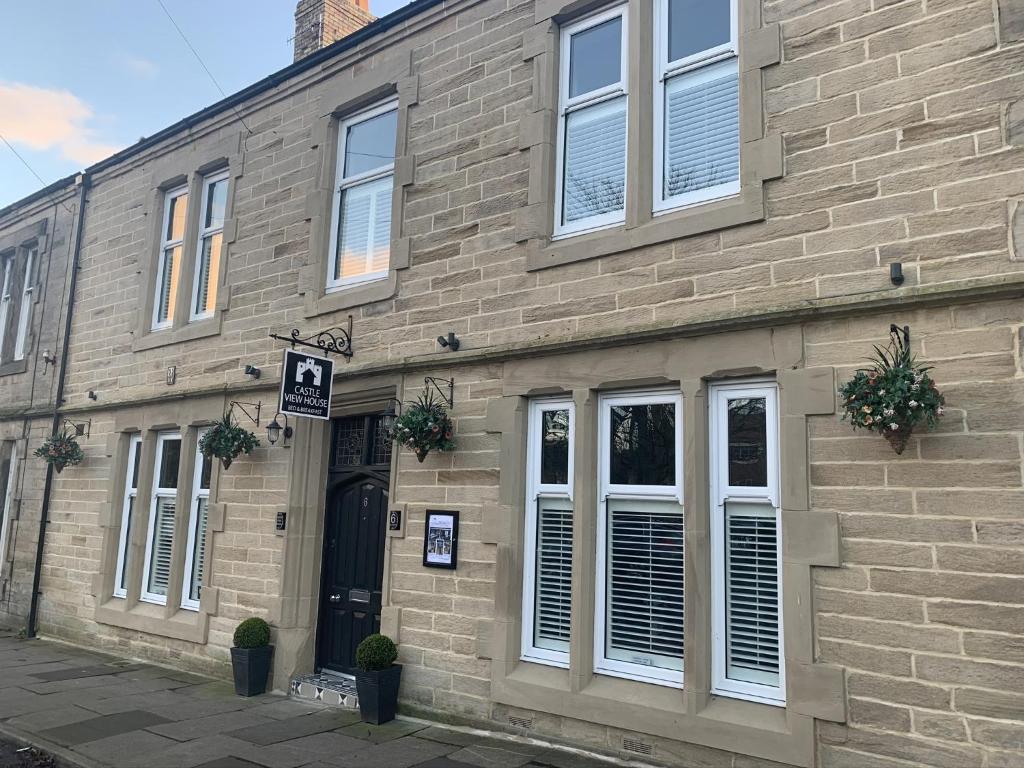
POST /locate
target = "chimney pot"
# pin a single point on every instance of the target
(318, 23)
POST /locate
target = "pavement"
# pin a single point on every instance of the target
(93, 710)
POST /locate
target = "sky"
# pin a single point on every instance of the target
(81, 79)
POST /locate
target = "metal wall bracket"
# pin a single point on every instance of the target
(449, 396)
(336, 340)
(244, 408)
(80, 429)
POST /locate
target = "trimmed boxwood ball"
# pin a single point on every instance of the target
(376, 653)
(252, 633)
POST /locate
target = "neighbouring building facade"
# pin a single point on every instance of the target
(664, 233)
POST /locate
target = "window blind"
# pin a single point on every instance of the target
(553, 599)
(645, 583)
(595, 160)
(702, 136)
(752, 594)
(199, 550)
(163, 542)
(209, 261)
(168, 268)
(364, 238)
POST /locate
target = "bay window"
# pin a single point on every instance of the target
(195, 556)
(128, 512)
(593, 100)
(169, 263)
(696, 102)
(162, 519)
(639, 623)
(208, 249)
(547, 567)
(361, 210)
(747, 657)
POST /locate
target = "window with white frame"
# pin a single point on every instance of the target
(162, 514)
(195, 553)
(638, 630)
(361, 210)
(128, 512)
(168, 272)
(208, 249)
(7, 265)
(547, 567)
(696, 102)
(592, 106)
(8, 474)
(25, 311)
(747, 657)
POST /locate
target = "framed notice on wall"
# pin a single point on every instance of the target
(441, 540)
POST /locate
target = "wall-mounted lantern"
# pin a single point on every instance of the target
(275, 430)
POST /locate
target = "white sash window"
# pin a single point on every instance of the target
(547, 566)
(8, 476)
(169, 264)
(591, 180)
(128, 512)
(361, 212)
(162, 519)
(748, 655)
(25, 311)
(696, 102)
(195, 553)
(5, 298)
(209, 247)
(638, 630)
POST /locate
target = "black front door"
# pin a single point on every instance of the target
(354, 530)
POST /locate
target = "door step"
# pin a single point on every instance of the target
(326, 689)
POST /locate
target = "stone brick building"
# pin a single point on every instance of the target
(663, 232)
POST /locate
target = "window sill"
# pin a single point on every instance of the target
(154, 620)
(14, 366)
(744, 208)
(349, 297)
(200, 329)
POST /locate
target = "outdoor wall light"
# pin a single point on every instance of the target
(451, 342)
(252, 370)
(274, 430)
(896, 273)
(390, 416)
(48, 359)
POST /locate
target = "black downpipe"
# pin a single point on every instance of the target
(44, 513)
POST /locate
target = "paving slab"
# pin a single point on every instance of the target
(98, 728)
(510, 756)
(324, 746)
(282, 708)
(46, 719)
(292, 728)
(561, 758)
(74, 684)
(210, 725)
(229, 762)
(72, 673)
(400, 753)
(125, 750)
(378, 734)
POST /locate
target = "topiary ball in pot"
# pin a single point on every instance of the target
(378, 679)
(250, 657)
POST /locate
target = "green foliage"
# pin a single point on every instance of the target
(376, 653)
(252, 633)
(225, 440)
(424, 427)
(61, 450)
(893, 396)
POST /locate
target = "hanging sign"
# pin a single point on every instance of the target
(306, 385)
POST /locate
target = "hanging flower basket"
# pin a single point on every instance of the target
(893, 396)
(226, 441)
(424, 427)
(61, 450)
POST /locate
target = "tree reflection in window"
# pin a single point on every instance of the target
(643, 444)
(748, 443)
(554, 449)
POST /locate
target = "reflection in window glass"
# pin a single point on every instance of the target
(371, 144)
(642, 446)
(595, 59)
(696, 25)
(748, 443)
(169, 464)
(554, 450)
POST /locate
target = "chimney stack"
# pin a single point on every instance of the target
(318, 23)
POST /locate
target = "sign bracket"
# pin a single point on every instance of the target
(337, 340)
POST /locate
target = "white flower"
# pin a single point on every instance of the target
(913, 403)
(894, 425)
(889, 411)
(915, 387)
(940, 411)
(881, 392)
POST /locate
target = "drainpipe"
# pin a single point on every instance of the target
(44, 514)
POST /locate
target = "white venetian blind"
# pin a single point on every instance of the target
(702, 138)
(163, 542)
(199, 551)
(553, 600)
(364, 238)
(595, 161)
(645, 583)
(752, 594)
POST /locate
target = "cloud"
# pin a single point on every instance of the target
(142, 68)
(44, 119)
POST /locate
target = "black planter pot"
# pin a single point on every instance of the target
(378, 694)
(251, 667)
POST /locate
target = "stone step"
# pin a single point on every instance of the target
(326, 689)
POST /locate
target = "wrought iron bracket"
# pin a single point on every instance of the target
(336, 340)
(900, 335)
(80, 428)
(244, 408)
(449, 396)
